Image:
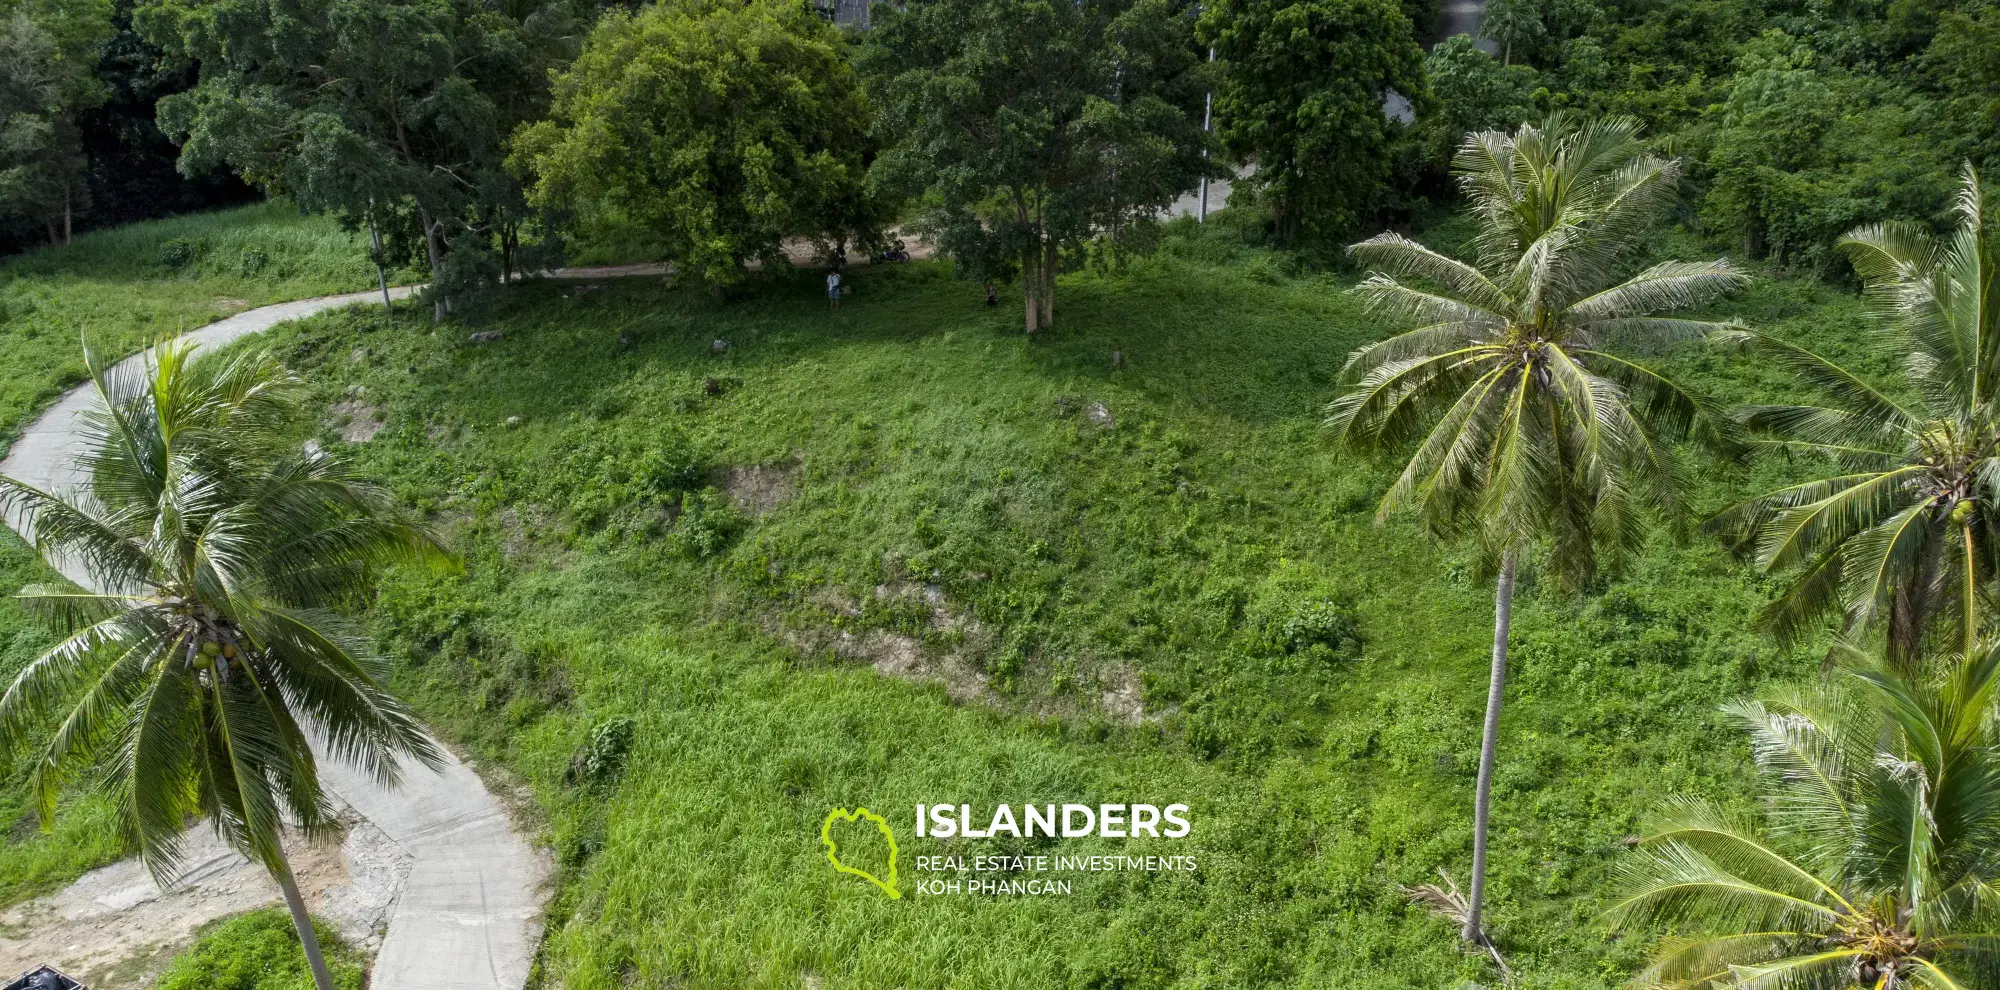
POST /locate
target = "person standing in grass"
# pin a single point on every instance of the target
(207, 668)
(833, 288)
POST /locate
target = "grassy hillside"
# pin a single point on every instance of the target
(124, 288)
(898, 554)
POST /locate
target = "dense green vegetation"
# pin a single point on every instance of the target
(1121, 562)
(257, 951)
(1876, 842)
(1311, 683)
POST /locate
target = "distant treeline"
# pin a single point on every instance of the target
(463, 130)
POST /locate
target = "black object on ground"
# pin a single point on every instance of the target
(43, 978)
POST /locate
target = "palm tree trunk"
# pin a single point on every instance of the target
(282, 872)
(1489, 743)
(1971, 619)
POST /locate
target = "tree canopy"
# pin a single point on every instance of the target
(48, 58)
(1305, 82)
(361, 108)
(713, 130)
(1037, 126)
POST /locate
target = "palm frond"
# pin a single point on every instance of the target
(1397, 257)
(1669, 285)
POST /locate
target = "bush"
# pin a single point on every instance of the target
(257, 951)
(707, 523)
(1296, 611)
(601, 758)
(178, 253)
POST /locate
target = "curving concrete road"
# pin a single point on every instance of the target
(469, 914)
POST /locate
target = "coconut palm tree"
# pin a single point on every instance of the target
(1904, 529)
(206, 651)
(1527, 426)
(1875, 862)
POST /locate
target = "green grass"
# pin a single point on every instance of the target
(258, 950)
(84, 832)
(124, 288)
(1314, 683)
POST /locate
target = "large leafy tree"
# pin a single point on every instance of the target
(1037, 126)
(1791, 167)
(1903, 529)
(207, 650)
(48, 50)
(1875, 862)
(367, 109)
(1303, 93)
(1528, 427)
(712, 129)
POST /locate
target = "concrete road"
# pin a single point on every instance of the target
(469, 914)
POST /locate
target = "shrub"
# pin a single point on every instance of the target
(179, 253)
(257, 951)
(707, 523)
(1296, 611)
(601, 758)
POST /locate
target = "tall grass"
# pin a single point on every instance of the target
(258, 950)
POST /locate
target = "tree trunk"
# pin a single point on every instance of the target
(1049, 264)
(301, 920)
(1971, 614)
(433, 243)
(381, 276)
(1030, 283)
(68, 217)
(1489, 743)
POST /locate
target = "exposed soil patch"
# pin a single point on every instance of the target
(949, 654)
(896, 654)
(760, 488)
(1121, 697)
(115, 928)
(358, 420)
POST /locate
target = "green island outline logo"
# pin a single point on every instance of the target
(833, 851)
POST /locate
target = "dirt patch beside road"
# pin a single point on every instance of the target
(114, 928)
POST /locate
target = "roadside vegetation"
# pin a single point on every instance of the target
(258, 951)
